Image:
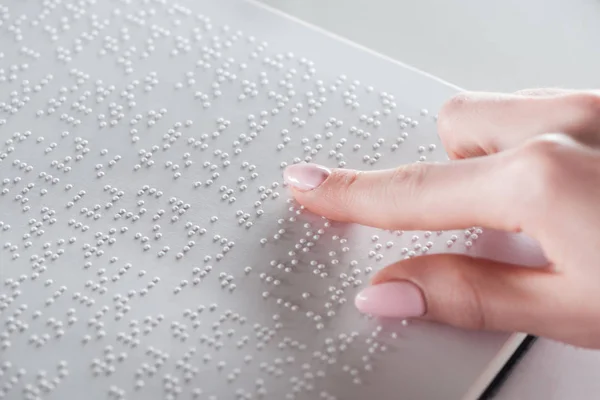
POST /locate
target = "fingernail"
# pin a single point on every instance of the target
(400, 299)
(305, 176)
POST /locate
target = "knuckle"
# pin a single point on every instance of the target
(410, 177)
(457, 103)
(452, 291)
(338, 190)
(539, 175)
(448, 113)
(589, 102)
(471, 313)
(540, 160)
(585, 126)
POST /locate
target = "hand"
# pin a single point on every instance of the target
(527, 162)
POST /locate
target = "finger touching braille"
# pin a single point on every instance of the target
(415, 196)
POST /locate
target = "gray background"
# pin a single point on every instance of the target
(494, 46)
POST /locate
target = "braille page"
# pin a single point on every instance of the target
(149, 248)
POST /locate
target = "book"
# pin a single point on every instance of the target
(149, 246)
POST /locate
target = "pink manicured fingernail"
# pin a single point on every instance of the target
(305, 176)
(400, 299)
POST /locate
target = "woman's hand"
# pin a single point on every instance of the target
(526, 162)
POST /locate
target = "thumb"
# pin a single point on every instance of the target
(467, 293)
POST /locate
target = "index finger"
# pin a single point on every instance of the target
(433, 196)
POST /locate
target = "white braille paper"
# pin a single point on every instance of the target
(148, 246)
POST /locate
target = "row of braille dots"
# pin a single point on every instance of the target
(170, 137)
(350, 97)
(405, 122)
(310, 315)
(183, 46)
(148, 371)
(297, 212)
(310, 151)
(217, 333)
(101, 272)
(64, 26)
(141, 18)
(198, 94)
(111, 164)
(4, 226)
(222, 76)
(11, 380)
(277, 61)
(280, 100)
(124, 59)
(15, 103)
(409, 252)
(222, 125)
(35, 227)
(116, 115)
(102, 91)
(335, 347)
(265, 193)
(333, 351)
(42, 386)
(26, 51)
(255, 126)
(470, 235)
(94, 212)
(7, 181)
(95, 322)
(180, 10)
(80, 79)
(365, 135)
(249, 91)
(376, 252)
(53, 104)
(82, 40)
(171, 387)
(38, 341)
(175, 167)
(21, 137)
(110, 45)
(214, 176)
(303, 244)
(58, 327)
(21, 196)
(307, 382)
(11, 74)
(226, 244)
(106, 365)
(156, 228)
(46, 9)
(15, 27)
(150, 82)
(13, 324)
(145, 156)
(63, 55)
(149, 324)
(287, 86)
(79, 107)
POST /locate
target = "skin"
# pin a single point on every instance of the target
(524, 162)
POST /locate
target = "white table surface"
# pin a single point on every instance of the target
(492, 46)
